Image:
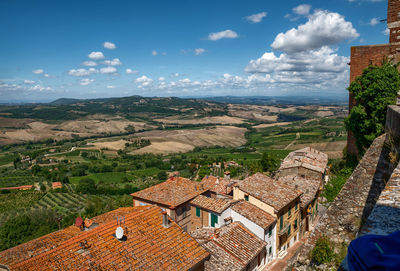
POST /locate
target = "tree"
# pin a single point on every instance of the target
(162, 175)
(268, 162)
(373, 91)
(86, 186)
(323, 251)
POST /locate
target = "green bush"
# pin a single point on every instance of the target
(322, 251)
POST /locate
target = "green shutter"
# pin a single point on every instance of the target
(270, 231)
(214, 220)
(290, 211)
(288, 231)
(197, 211)
(246, 197)
(270, 250)
(295, 224)
(281, 222)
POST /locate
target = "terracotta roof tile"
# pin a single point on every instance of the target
(172, 193)
(212, 204)
(308, 186)
(307, 157)
(218, 185)
(254, 214)
(269, 191)
(232, 247)
(148, 246)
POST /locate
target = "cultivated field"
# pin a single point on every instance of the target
(164, 142)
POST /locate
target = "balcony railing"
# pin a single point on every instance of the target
(284, 229)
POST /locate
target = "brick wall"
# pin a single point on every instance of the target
(198, 222)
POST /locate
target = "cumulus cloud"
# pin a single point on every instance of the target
(199, 51)
(109, 45)
(38, 71)
(143, 81)
(108, 70)
(113, 62)
(373, 22)
(256, 18)
(302, 9)
(161, 78)
(82, 72)
(89, 63)
(110, 86)
(29, 82)
(322, 28)
(130, 71)
(154, 53)
(226, 34)
(386, 32)
(86, 81)
(96, 55)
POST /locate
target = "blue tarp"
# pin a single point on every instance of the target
(374, 252)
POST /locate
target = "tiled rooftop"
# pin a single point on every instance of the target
(307, 157)
(212, 204)
(232, 247)
(172, 193)
(148, 246)
(269, 191)
(254, 214)
(218, 185)
(308, 186)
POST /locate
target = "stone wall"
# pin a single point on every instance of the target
(350, 212)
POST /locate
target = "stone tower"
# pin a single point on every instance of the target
(363, 56)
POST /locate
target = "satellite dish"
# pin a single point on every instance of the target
(119, 233)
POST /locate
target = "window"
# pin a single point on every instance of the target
(290, 211)
(270, 231)
(214, 220)
(197, 211)
(270, 251)
(246, 197)
(281, 222)
(295, 224)
(288, 231)
(297, 206)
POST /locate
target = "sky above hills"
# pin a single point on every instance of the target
(87, 49)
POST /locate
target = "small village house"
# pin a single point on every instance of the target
(173, 196)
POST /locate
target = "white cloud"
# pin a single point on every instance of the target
(161, 78)
(130, 71)
(373, 22)
(302, 9)
(89, 63)
(96, 55)
(175, 74)
(86, 81)
(40, 88)
(108, 70)
(386, 32)
(154, 53)
(82, 72)
(322, 28)
(29, 82)
(226, 34)
(38, 71)
(109, 45)
(113, 62)
(256, 18)
(199, 51)
(144, 81)
(110, 86)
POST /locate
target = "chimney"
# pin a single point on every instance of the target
(165, 220)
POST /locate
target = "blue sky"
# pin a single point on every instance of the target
(88, 49)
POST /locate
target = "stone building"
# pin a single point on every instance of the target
(305, 163)
(149, 241)
(279, 200)
(308, 201)
(173, 196)
(218, 187)
(232, 247)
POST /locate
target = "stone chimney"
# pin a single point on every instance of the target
(165, 220)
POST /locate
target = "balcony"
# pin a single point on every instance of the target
(284, 230)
